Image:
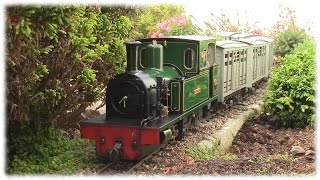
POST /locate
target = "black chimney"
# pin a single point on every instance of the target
(132, 56)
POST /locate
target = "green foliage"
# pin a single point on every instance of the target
(114, 30)
(155, 13)
(60, 58)
(152, 15)
(286, 41)
(47, 151)
(291, 89)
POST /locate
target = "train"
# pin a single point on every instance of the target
(169, 84)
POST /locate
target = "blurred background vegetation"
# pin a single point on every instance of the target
(59, 59)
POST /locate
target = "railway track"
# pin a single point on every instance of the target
(132, 165)
(101, 171)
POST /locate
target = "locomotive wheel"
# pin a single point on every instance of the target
(237, 98)
(231, 103)
(181, 130)
(225, 105)
(214, 107)
(205, 111)
(110, 156)
(195, 120)
(252, 90)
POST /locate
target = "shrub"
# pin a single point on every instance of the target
(178, 25)
(48, 151)
(286, 41)
(59, 59)
(290, 93)
(163, 20)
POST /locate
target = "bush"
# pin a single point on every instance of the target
(290, 93)
(178, 25)
(286, 41)
(59, 59)
(163, 20)
(48, 151)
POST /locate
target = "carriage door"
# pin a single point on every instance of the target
(214, 72)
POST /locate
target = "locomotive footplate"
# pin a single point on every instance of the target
(136, 141)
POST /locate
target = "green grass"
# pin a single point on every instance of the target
(206, 154)
(264, 159)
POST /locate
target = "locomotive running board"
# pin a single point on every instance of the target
(166, 122)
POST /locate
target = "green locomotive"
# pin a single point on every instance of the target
(169, 84)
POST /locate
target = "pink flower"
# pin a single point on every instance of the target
(174, 20)
(279, 25)
(257, 31)
(168, 29)
(181, 21)
(160, 35)
(162, 25)
(152, 34)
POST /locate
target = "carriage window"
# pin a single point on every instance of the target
(211, 53)
(143, 57)
(204, 62)
(188, 58)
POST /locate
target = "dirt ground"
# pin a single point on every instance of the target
(258, 149)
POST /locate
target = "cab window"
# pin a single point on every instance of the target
(143, 57)
(188, 59)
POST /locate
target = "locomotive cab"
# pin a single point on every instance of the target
(140, 94)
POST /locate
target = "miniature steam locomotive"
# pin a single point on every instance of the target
(168, 85)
